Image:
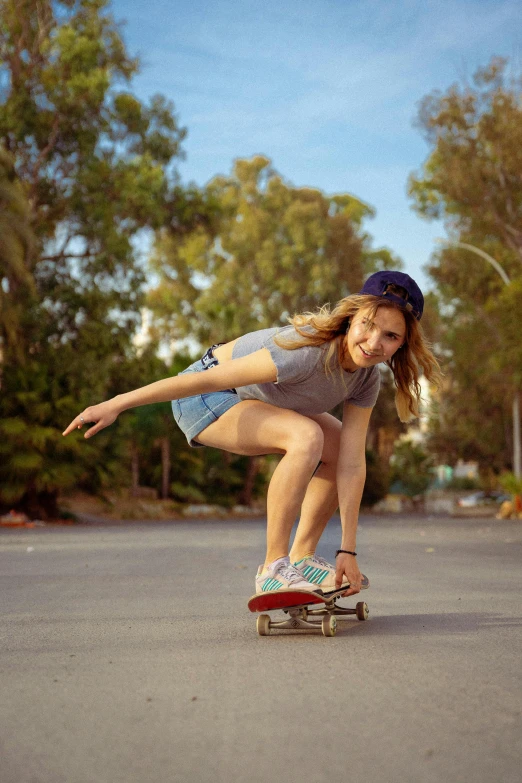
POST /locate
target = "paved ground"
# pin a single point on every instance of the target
(117, 665)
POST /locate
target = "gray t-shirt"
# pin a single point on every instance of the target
(302, 383)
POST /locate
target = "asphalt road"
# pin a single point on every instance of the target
(127, 653)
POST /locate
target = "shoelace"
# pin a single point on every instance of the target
(321, 561)
(290, 573)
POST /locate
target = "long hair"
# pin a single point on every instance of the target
(330, 326)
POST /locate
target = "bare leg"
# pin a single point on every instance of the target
(320, 503)
(253, 427)
(321, 498)
(289, 483)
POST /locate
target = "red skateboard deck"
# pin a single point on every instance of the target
(283, 599)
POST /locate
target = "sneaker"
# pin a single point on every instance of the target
(282, 576)
(322, 573)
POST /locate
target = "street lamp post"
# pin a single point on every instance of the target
(517, 451)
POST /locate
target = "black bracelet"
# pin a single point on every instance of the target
(345, 552)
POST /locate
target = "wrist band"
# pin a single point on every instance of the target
(345, 552)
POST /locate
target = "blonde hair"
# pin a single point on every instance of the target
(407, 363)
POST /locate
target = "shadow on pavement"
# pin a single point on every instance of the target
(442, 623)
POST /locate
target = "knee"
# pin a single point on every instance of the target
(330, 455)
(309, 440)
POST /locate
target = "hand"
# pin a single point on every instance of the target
(101, 415)
(346, 565)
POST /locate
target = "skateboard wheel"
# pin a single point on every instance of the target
(329, 625)
(263, 624)
(304, 613)
(362, 611)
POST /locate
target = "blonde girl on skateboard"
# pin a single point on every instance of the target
(269, 392)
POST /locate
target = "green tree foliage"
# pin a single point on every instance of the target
(411, 468)
(17, 244)
(271, 250)
(472, 178)
(92, 167)
(264, 251)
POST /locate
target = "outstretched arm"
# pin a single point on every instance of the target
(257, 367)
(351, 475)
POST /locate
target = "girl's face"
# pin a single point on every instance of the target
(369, 342)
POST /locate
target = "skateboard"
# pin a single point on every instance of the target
(302, 608)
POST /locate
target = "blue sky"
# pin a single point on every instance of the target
(328, 89)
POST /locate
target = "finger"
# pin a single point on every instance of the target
(93, 430)
(75, 423)
(354, 586)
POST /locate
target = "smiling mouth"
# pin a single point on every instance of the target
(368, 355)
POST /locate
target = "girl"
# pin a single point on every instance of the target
(268, 392)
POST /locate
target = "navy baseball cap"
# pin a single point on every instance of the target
(379, 284)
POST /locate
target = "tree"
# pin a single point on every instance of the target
(270, 251)
(92, 168)
(472, 178)
(266, 251)
(17, 242)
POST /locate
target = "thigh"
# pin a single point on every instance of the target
(253, 428)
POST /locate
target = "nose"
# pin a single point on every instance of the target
(373, 340)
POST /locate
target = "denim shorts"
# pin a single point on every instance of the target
(194, 414)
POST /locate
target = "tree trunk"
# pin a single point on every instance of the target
(245, 497)
(165, 467)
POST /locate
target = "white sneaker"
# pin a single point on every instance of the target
(282, 576)
(322, 573)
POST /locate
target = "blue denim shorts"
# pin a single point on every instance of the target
(194, 414)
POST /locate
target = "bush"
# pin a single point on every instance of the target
(511, 484)
(411, 468)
